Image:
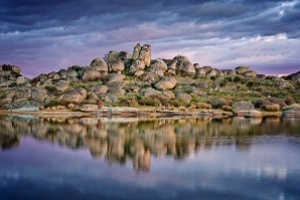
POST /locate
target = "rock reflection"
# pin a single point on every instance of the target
(137, 141)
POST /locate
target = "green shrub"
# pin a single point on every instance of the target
(128, 101)
(219, 103)
(237, 79)
(52, 103)
(51, 88)
(177, 102)
(149, 101)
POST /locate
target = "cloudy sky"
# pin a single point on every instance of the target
(42, 36)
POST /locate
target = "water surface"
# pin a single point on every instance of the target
(183, 158)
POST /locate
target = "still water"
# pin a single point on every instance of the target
(183, 158)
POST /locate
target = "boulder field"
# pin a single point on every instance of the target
(121, 79)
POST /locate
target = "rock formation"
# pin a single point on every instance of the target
(123, 79)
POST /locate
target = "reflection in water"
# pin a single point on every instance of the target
(138, 140)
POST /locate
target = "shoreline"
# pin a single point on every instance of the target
(130, 112)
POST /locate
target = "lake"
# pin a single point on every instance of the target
(176, 158)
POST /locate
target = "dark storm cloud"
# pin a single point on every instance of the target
(63, 32)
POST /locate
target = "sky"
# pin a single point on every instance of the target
(42, 36)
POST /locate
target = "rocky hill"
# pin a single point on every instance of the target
(137, 80)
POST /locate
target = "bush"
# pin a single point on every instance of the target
(237, 79)
(289, 100)
(272, 107)
(203, 105)
(51, 88)
(219, 103)
(227, 108)
(178, 102)
(258, 104)
(223, 83)
(52, 103)
(128, 101)
(149, 101)
(274, 100)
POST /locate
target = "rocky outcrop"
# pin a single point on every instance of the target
(126, 80)
(293, 77)
(292, 112)
(11, 68)
(12, 98)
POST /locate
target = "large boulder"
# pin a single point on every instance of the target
(62, 85)
(166, 83)
(184, 66)
(214, 73)
(137, 65)
(292, 112)
(68, 74)
(99, 64)
(117, 66)
(117, 60)
(136, 51)
(74, 96)
(149, 92)
(242, 69)
(240, 108)
(116, 88)
(91, 75)
(184, 96)
(159, 67)
(116, 77)
(100, 89)
(168, 94)
(249, 73)
(25, 106)
(200, 72)
(150, 77)
(172, 67)
(145, 54)
(207, 69)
